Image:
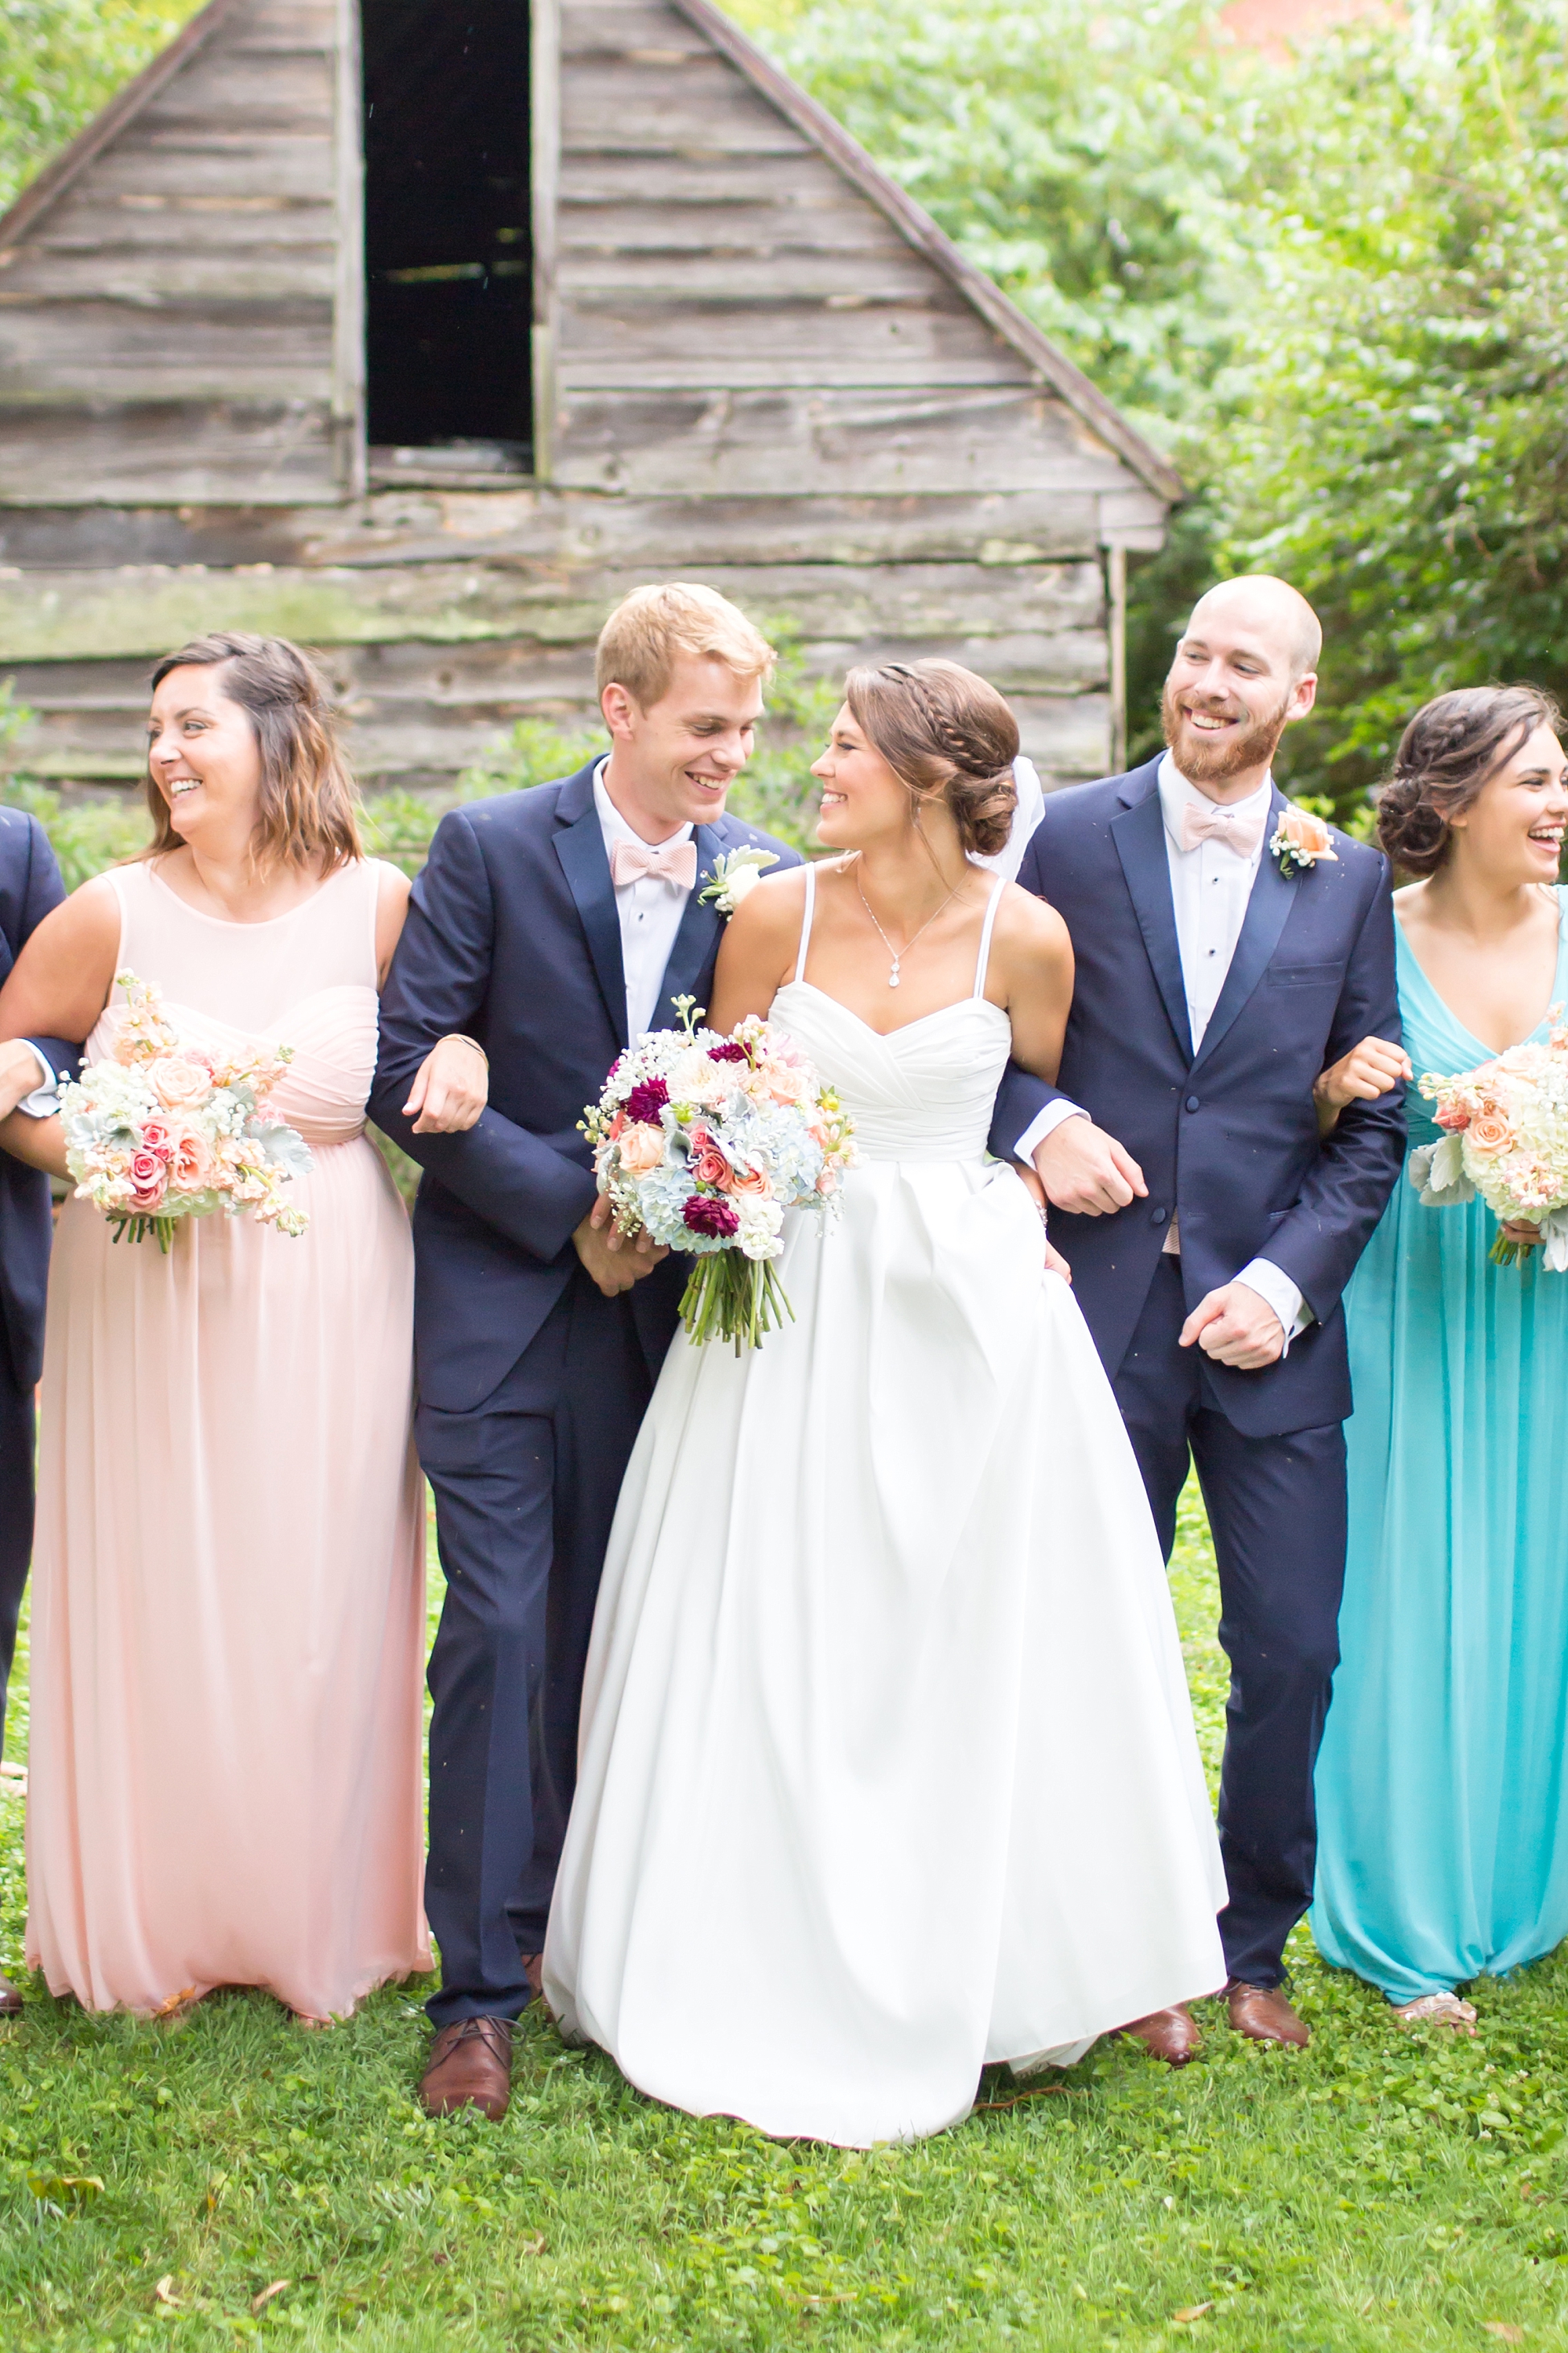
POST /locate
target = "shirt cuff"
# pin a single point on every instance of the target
(1277, 1289)
(1046, 1124)
(45, 1098)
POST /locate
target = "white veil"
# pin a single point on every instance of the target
(1026, 817)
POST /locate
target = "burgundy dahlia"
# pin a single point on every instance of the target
(716, 1218)
(647, 1100)
(727, 1053)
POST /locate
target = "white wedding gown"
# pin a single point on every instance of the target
(887, 1762)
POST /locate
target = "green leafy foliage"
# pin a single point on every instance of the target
(87, 835)
(1396, 438)
(1327, 284)
(60, 61)
(1086, 156)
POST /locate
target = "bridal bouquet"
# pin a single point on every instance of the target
(1506, 1138)
(166, 1130)
(704, 1141)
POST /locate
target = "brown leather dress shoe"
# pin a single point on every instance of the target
(469, 2067)
(1170, 2034)
(10, 1999)
(534, 1970)
(1263, 2015)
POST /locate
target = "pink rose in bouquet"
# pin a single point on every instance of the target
(704, 1142)
(163, 1130)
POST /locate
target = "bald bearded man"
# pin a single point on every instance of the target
(1210, 1227)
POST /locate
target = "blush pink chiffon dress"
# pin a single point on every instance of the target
(228, 1598)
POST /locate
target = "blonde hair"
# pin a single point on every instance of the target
(309, 802)
(639, 642)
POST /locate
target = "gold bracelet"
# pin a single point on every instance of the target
(461, 1038)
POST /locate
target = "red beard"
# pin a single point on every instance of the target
(1202, 759)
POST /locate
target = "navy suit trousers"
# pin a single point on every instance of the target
(525, 1488)
(1278, 1510)
(15, 1511)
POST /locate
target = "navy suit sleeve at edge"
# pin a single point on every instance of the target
(1345, 1195)
(438, 984)
(44, 892)
(1021, 1097)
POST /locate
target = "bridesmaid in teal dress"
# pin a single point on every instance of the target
(1443, 1829)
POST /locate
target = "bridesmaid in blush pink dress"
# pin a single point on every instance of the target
(228, 1613)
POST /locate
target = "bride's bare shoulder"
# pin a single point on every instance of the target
(772, 909)
(1030, 931)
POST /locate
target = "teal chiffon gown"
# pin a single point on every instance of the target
(1443, 1833)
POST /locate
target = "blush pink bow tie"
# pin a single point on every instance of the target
(1240, 829)
(672, 861)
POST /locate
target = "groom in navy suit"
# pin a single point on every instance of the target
(30, 886)
(1210, 1226)
(549, 928)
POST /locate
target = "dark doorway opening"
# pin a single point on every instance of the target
(448, 251)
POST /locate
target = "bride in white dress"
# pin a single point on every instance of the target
(887, 1764)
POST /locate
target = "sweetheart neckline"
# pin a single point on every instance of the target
(885, 1036)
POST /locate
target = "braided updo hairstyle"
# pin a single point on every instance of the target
(946, 735)
(1451, 749)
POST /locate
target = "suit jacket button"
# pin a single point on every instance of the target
(1192, 1102)
(1157, 1217)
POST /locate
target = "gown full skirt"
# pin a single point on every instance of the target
(887, 1765)
(1442, 1783)
(227, 1618)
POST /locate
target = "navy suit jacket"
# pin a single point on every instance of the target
(30, 885)
(513, 938)
(1228, 1138)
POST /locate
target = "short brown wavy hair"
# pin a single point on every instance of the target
(947, 735)
(309, 802)
(1450, 750)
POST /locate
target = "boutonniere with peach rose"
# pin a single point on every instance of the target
(1301, 840)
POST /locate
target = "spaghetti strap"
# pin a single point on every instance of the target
(984, 959)
(806, 920)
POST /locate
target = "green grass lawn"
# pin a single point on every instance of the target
(1379, 2191)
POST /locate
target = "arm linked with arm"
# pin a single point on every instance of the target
(44, 890)
(519, 1183)
(1347, 1189)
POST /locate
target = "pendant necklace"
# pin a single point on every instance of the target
(899, 954)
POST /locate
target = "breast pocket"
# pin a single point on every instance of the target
(1304, 976)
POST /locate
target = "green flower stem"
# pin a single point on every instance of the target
(138, 1229)
(728, 1296)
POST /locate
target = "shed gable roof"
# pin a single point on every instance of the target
(914, 223)
(742, 300)
(739, 300)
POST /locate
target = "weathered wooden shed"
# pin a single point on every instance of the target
(420, 329)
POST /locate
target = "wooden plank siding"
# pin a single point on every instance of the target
(1056, 609)
(757, 364)
(167, 320)
(569, 530)
(416, 714)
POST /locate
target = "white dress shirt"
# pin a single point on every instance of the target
(1210, 887)
(651, 911)
(45, 1098)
